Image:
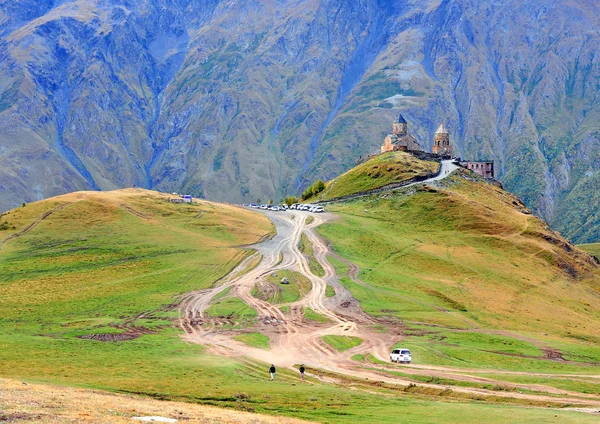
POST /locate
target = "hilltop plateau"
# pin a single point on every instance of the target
(237, 100)
(128, 292)
(378, 172)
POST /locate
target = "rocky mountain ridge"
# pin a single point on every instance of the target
(240, 100)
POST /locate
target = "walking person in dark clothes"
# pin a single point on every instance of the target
(301, 369)
(272, 371)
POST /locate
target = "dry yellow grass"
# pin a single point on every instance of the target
(24, 402)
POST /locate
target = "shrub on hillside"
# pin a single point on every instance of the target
(313, 190)
(290, 200)
(307, 193)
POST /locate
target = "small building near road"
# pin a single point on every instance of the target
(483, 168)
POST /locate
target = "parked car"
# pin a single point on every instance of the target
(401, 356)
(265, 207)
(318, 209)
(294, 206)
(253, 205)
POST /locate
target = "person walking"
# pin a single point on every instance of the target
(301, 369)
(272, 371)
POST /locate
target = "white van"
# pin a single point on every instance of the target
(401, 356)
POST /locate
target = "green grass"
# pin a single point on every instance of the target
(478, 341)
(457, 382)
(305, 246)
(464, 257)
(367, 358)
(340, 267)
(254, 339)
(226, 306)
(231, 307)
(581, 385)
(381, 170)
(314, 316)
(94, 259)
(277, 293)
(95, 265)
(342, 343)
(329, 291)
(485, 351)
(149, 365)
(593, 248)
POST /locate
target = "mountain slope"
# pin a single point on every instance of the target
(237, 100)
(472, 251)
(115, 254)
(499, 311)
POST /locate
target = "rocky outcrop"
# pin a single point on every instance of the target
(240, 100)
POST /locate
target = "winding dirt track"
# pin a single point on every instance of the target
(294, 339)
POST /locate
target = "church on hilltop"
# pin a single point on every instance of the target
(400, 139)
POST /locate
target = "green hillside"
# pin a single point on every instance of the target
(91, 282)
(376, 172)
(475, 243)
(92, 262)
(593, 248)
(478, 281)
(86, 267)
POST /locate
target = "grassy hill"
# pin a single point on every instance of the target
(79, 269)
(456, 264)
(376, 172)
(593, 248)
(478, 281)
(94, 261)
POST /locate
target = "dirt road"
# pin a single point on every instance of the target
(294, 339)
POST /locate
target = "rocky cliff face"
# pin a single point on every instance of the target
(240, 100)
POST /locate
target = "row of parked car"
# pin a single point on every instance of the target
(295, 206)
(308, 208)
